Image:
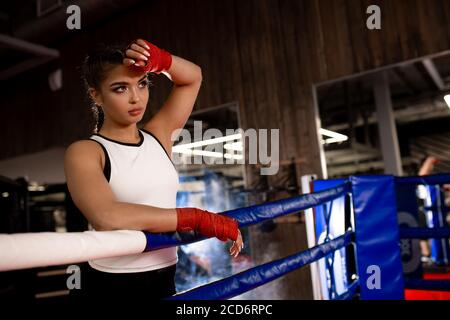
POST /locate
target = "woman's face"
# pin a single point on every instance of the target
(123, 95)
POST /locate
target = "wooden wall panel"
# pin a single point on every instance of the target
(356, 14)
(431, 24)
(263, 54)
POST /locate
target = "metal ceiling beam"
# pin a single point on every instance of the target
(387, 130)
(414, 112)
(25, 46)
(345, 170)
(403, 78)
(350, 157)
(356, 148)
(42, 55)
(434, 74)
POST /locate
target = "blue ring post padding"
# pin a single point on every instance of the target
(424, 233)
(329, 220)
(419, 284)
(377, 238)
(350, 293)
(426, 180)
(257, 276)
(251, 215)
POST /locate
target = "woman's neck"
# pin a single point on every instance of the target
(128, 134)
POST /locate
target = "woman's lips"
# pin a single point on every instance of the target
(135, 112)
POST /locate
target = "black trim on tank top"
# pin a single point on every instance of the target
(107, 168)
(123, 143)
(148, 132)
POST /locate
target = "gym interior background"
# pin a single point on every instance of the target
(310, 68)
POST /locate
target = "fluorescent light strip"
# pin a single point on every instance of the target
(237, 146)
(200, 153)
(207, 142)
(334, 140)
(447, 99)
(233, 156)
(334, 136)
(210, 154)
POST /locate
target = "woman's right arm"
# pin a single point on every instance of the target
(92, 194)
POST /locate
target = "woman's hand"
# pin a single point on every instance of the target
(147, 56)
(136, 53)
(237, 246)
(428, 165)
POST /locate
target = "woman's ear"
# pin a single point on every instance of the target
(95, 96)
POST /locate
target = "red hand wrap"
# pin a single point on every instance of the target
(159, 60)
(207, 223)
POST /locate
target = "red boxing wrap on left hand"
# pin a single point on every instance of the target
(159, 60)
(207, 223)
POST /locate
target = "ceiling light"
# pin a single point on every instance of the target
(208, 142)
(200, 153)
(334, 136)
(447, 99)
(237, 146)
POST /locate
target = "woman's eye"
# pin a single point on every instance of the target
(143, 84)
(119, 89)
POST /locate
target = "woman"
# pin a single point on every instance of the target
(123, 177)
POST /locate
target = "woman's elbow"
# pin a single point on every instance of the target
(104, 221)
(102, 226)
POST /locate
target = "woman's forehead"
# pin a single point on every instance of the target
(124, 73)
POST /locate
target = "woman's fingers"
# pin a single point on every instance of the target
(140, 63)
(142, 43)
(235, 252)
(130, 53)
(237, 246)
(139, 49)
(128, 61)
(234, 249)
(137, 53)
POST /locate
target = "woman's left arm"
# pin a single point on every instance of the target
(187, 79)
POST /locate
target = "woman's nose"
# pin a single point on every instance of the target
(134, 97)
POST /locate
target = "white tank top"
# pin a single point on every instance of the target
(140, 173)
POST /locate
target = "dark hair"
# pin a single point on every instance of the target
(94, 69)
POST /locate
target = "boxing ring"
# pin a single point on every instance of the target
(357, 251)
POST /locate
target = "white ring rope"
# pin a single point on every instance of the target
(30, 250)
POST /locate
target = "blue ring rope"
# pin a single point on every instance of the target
(257, 276)
(251, 215)
(424, 233)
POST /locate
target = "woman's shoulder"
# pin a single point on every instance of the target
(85, 149)
(85, 145)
